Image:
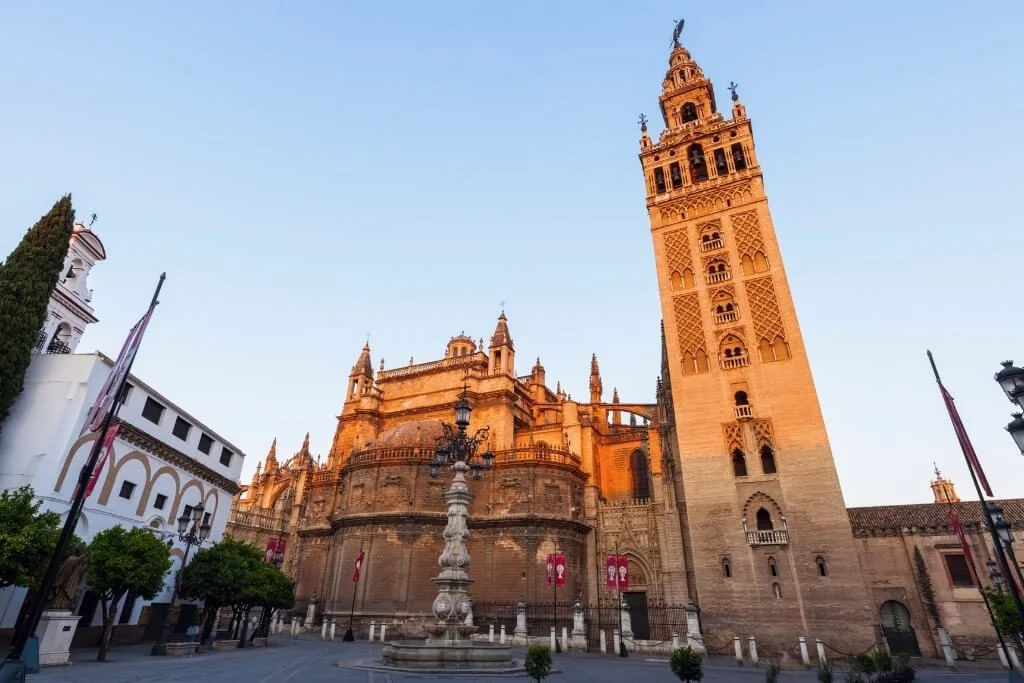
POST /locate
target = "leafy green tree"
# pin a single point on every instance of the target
(1005, 610)
(218, 575)
(27, 279)
(27, 538)
(538, 662)
(118, 561)
(270, 590)
(686, 664)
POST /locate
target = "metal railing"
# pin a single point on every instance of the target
(768, 537)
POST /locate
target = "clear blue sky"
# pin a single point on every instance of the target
(310, 172)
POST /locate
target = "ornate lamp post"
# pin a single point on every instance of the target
(994, 574)
(194, 535)
(1011, 381)
(459, 450)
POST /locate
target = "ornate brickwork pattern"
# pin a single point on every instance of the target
(677, 251)
(733, 437)
(709, 226)
(717, 258)
(764, 309)
(708, 201)
(762, 432)
(748, 233)
(689, 328)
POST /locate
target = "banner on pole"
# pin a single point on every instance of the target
(359, 567)
(617, 569)
(623, 570)
(108, 397)
(560, 570)
(108, 445)
(549, 565)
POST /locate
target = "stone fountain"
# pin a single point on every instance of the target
(449, 645)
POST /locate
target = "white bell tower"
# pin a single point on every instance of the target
(70, 309)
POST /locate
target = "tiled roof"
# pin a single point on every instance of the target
(924, 517)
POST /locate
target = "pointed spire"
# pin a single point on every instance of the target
(501, 336)
(363, 366)
(305, 445)
(615, 395)
(272, 456)
(596, 387)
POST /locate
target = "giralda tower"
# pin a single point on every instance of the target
(769, 538)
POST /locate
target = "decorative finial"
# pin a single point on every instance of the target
(92, 219)
(732, 89)
(938, 475)
(382, 364)
(643, 123)
(677, 32)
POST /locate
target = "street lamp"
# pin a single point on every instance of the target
(457, 449)
(193, 531)
(995, 575)
(1011, 381)
(1016, 429)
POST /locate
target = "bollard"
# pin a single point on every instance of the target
(323, 630)
(604, 643)
(332, 629)
(1002, 656)
(552, 638)
(502, 634)
(565, 639)
(383, 630)
(490, 634)
(947, 648)
(373, 629)
(295, 628)
(675, 641)
(805, 659)
(822, 661)
(615, 640)
(737, 647)
(752, 646)
(1013, 657)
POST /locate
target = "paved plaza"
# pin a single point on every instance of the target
(309, 660)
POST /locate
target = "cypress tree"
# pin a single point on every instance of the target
(27, 279)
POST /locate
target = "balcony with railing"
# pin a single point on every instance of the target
(257, 518)
(768, 537)
(712, 244)
(445, 363)
(727, 317)
(717, 276)
(744, 412)
(735, 362)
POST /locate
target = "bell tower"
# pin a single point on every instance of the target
(772, 549)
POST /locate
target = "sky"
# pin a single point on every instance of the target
(310, 173)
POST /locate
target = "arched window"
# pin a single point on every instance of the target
(726, 568)
(641, 475)
(689, 112)
(773, 567)
(764, 520)
(820, 562)
(741, 398)
(698, 167)
(739, 463)
(767, 460)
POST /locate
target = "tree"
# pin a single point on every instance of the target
(27, 538)
(1004, 610)
(219, 576)
(538, 662)
(27, 279)
(271, 590)
(686, 664)
(118, 561)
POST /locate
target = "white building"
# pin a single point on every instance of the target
(70, 309)
(163, 463)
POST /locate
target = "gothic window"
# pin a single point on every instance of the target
(739, 159)
(764, 520)
(659, 180)
(820, 562)
(698, 167)
(689, 112)
(676, 174)
(773, 567)
(739, 463)
(733, 355)
(726, 568)
(721, 165)
(641, 475)
(767, 460)
(682, 280)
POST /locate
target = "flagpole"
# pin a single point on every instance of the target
(618, 603)
(349, 636)
(990, 523)
(28, 626)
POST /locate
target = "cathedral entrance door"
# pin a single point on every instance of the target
(899, 634)
(637, 602)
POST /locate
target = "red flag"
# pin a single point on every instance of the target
(559, 570)
(550, 566)
(965, 442)
(954, 519)
(268, 555)
(108, 444)
(611, 570)
(106, 399)
(359, 566)
(623, 573)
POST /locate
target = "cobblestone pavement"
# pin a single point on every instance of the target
(308, 660)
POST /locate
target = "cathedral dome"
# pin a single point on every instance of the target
(421, 433)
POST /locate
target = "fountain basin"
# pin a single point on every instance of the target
(458, 655)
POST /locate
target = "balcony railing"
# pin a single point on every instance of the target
(770, 537)
(737, 362)
(727, 317)
(744, 412)
(720, 276)
(57, 346)
(711, 245)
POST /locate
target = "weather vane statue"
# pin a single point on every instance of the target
(677, 32)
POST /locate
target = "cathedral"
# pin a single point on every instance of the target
(722, 491)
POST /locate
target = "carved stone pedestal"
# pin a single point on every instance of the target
(55, 631)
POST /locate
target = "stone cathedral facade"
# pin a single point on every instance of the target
(722, 490)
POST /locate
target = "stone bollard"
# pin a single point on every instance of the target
(502, 641)
(616, 640)
(552, 639)
(373, 629)
(947, 648)
(604, 642)
(737, 648)
(331, 633)
(565, 639)
(490, 633)
(627, 624)
(520, 631)
(675, 641)
(323, 630)
(805, 658)
(1013, 657)
(1002, 656)
(383, 631)
(752, 647)
(822, 660)
(295, 628)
